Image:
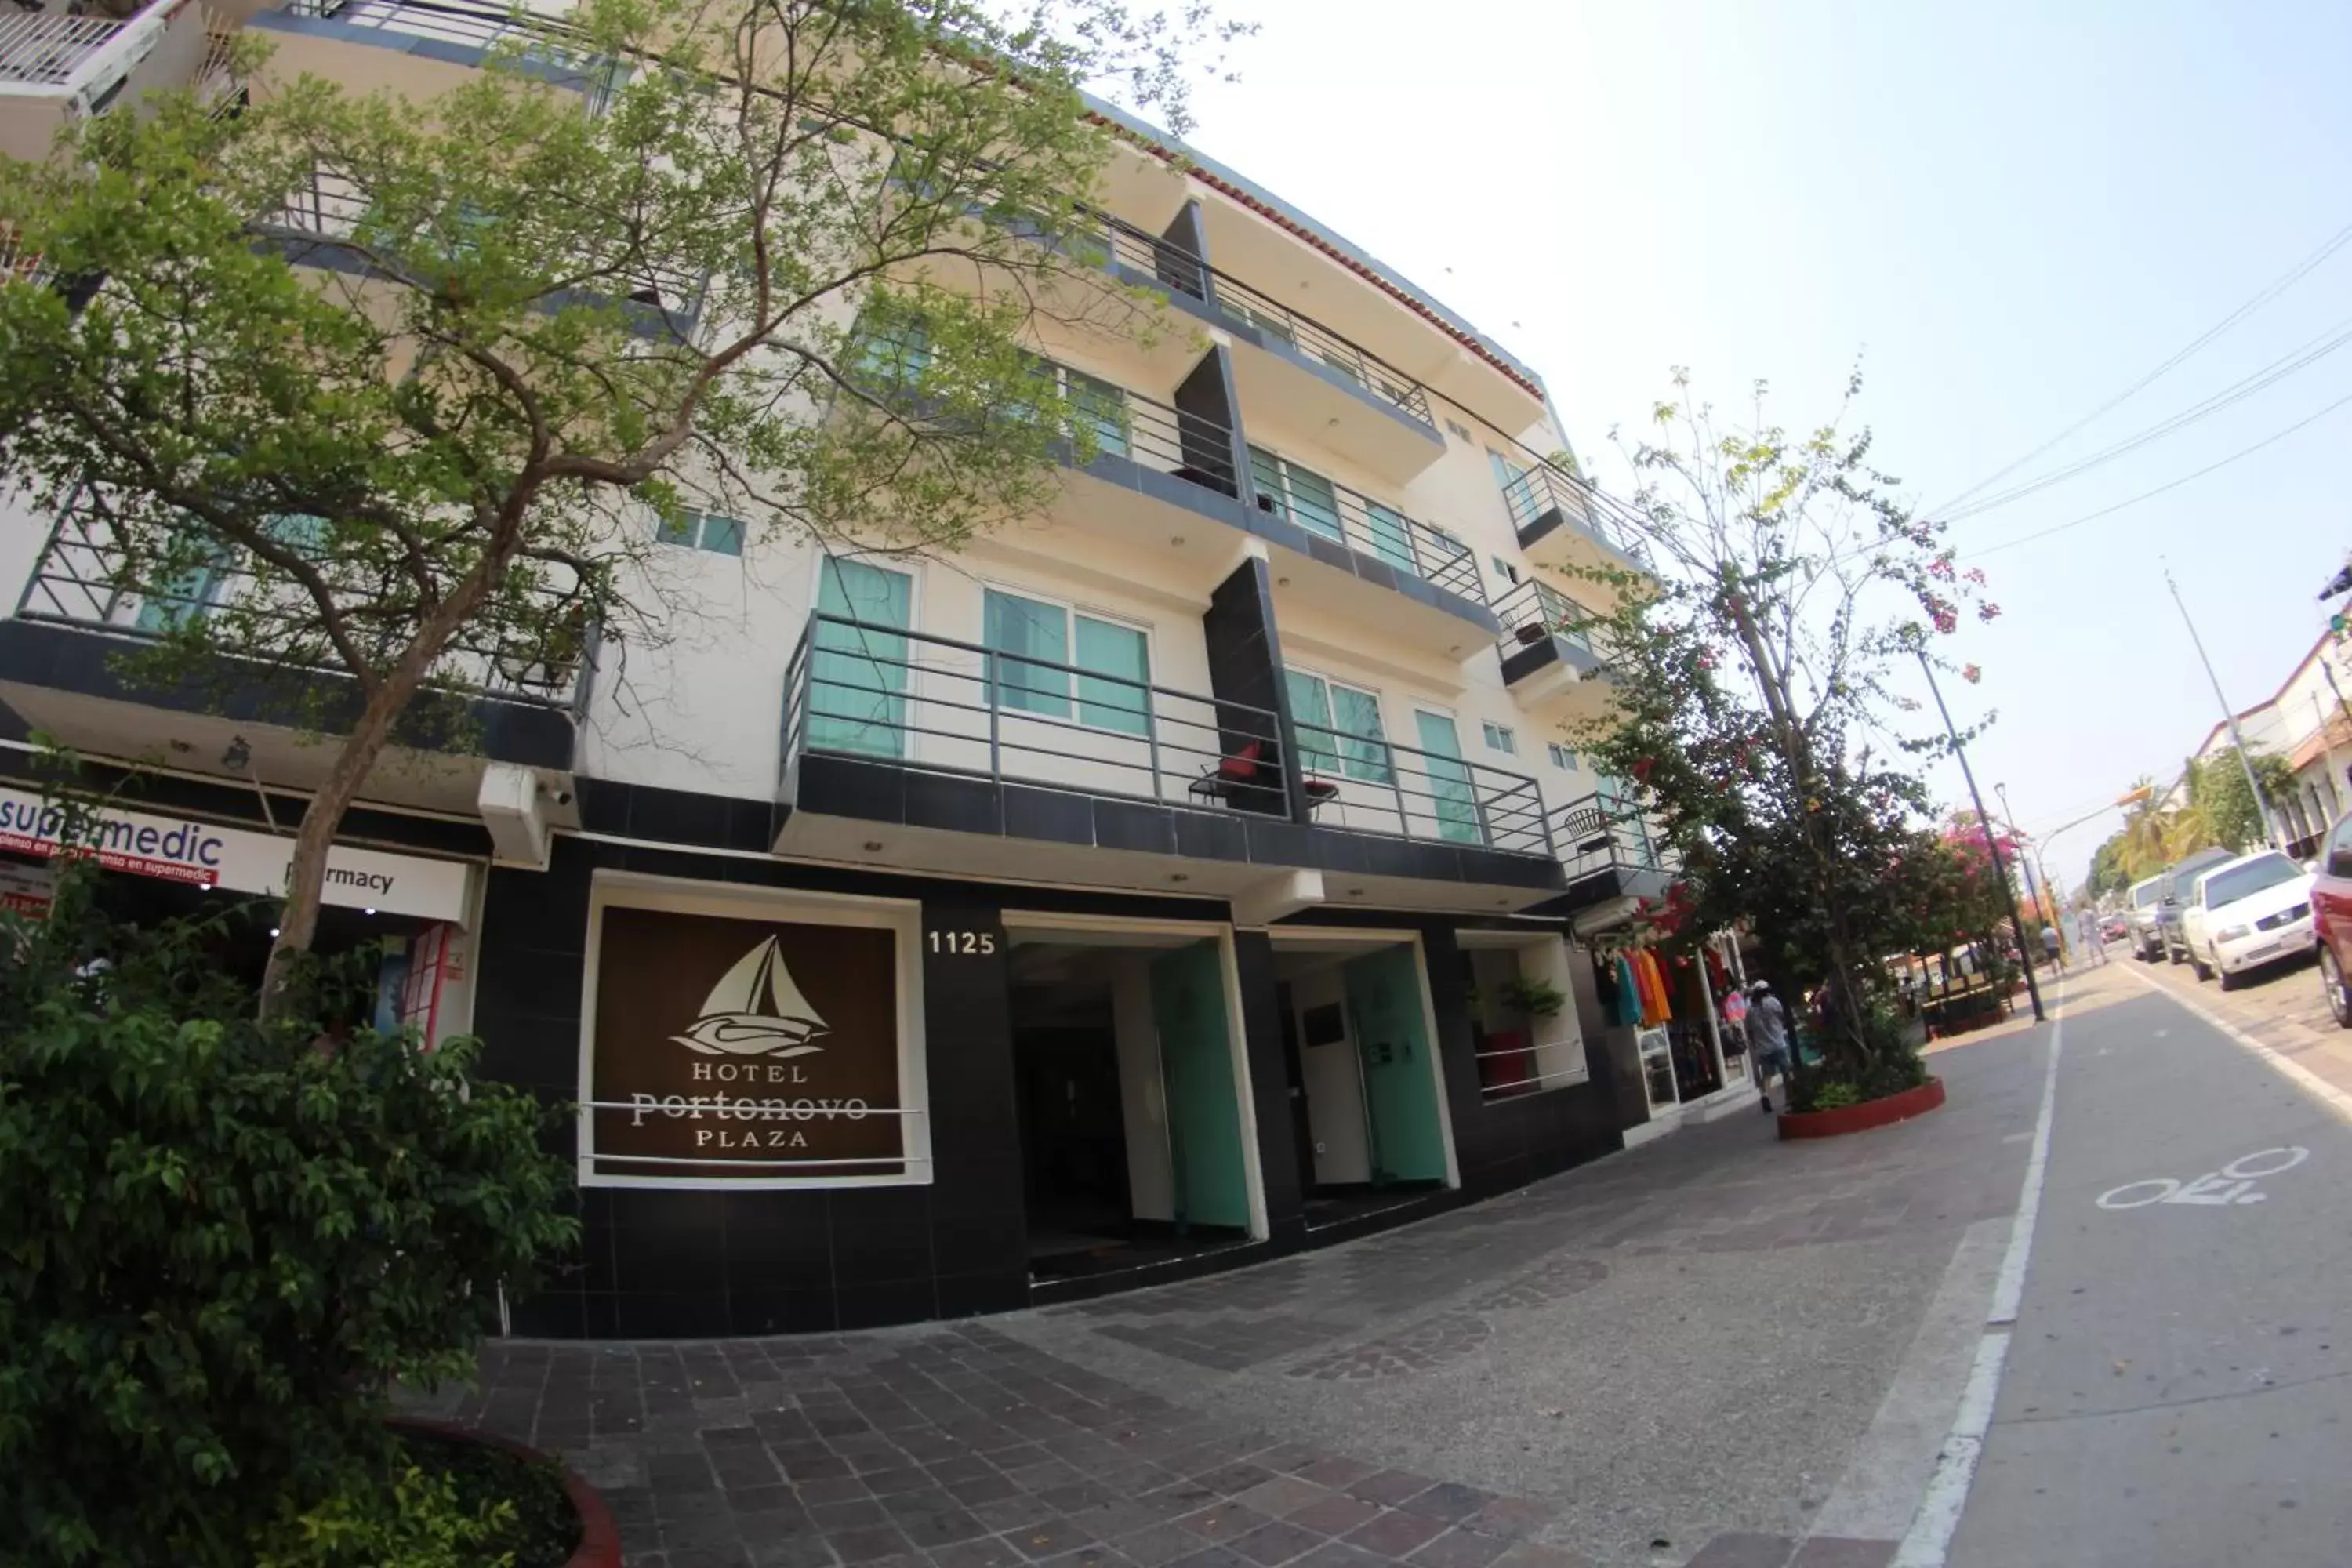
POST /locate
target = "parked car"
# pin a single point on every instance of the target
(2246, 912)
(2331, 917)
(2114, 928)
(2177, 883)
(2146, 898)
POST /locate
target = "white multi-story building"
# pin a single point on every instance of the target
(1174, 880)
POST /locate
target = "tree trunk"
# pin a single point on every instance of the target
(1771, 683)
(306, 877)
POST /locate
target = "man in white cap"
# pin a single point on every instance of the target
(1767, 1035)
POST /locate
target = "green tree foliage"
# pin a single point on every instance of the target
(1751, 675)
(222, 1239)
(2222, 810)
(2109, 872)
(422, 380)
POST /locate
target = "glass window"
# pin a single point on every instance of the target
(1302, 495)
(858, 675)
(1562, 757)
(1500, 738)
(1338, 728)
(1108, 649)
(892, 354)
(1504, 569)
(703, 531)
(2244, 881)
(1015, 626)
(1391, 539)
(1100, 408)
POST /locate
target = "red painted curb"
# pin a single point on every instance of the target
(600, 1538)
(1862, 1118)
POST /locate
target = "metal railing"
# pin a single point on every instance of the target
(1368, 784)
(85, 579)
(864, 689)
(1602, 833)
(550, 41)
(1172, 440)
(1185, 272)
(1544, 488)
(1380, 532)
(1535, 609)
(329, 208)
(51, 48)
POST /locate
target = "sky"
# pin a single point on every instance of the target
(2011, 212)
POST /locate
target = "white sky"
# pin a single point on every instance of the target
(2012, 210)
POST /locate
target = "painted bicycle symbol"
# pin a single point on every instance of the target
(2232, 1184)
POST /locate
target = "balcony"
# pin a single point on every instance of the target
(327, 212)
(1549, 661)
(438, 43)
(906, 748)
(1288, 360)
(68, 666)
(1559, 528)
(1608, 853)
(57, 66)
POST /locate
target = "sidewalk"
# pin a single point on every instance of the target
(1667, 1357)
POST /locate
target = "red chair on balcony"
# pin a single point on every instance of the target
(1246, 773)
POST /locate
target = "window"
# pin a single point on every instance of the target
(1338, 728)
(1460, 432)
(1095, 407)
(1504, 569)
(1562, 757)
(704, 531)
(1112, 663)
(1500, 738)
(891, 353)
(1302, 495)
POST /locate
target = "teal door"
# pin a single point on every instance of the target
(1452, 799)
(858, 675)
(1208, 1164)
(1401, 1109)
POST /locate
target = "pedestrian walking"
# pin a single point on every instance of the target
(2093, 942)
(1768, 1039)
(2050, 943)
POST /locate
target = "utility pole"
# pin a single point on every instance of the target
(2028, 862)
(2000, 870)
(2271, 836)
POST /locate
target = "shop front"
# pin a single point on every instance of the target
(414, 913)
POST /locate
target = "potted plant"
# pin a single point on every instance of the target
(1533, 998)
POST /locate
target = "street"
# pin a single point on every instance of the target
(2175, 1391)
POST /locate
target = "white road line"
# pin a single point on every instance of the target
(2286, 1067)
(1929, 1543)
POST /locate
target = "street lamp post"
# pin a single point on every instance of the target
(2000, 870)
(2028, 862)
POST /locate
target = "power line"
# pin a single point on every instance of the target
(2172, 484)
(2268, 292)
(2286, 364)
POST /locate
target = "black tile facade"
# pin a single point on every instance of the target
(683, 1263)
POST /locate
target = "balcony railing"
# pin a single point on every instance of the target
(1180, 269)
(1536, 609)
(56, 50)
(1544, 488)
(865, 690)
(1382, 532)
(1171, 440)
(329, 207)
(1604, 833)
(83, 579)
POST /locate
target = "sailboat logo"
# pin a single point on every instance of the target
(755, 1010)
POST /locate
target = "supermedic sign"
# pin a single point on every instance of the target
(206, 856)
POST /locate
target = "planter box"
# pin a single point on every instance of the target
(1862, 1118)
(600, 1538)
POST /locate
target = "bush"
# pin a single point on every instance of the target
(221, 1241)
(442, 1503)
(1831, 1097)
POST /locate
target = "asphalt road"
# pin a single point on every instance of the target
(2179, 1377)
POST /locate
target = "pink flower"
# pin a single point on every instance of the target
(1987, 612)
(1971, 674)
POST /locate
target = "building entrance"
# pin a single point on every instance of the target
(1132, 1143)
(1365, 1089)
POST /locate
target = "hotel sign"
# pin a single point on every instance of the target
(737, 1049)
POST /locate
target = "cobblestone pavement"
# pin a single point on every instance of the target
(1663, 1358)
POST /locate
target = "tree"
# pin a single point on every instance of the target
(425, 379)
(2147, 836)
(2222, 810)
(1753, 682)
(2108, 873)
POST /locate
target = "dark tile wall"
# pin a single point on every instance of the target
(1245, 677)
(663, 1263)
(1212, 440)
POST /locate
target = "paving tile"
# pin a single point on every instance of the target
(860, 1513)
(1461, 1548)
(986, 1551)
(869, 1545)
(1744, 1551)
(1331, 1470)
(1337, 1514)
(1048, 1537)
(1223, 1520)
(1843, 1552)
(1448, 1500)
(1156, 1545)
(1284, 1494)
(1388, 1488)
(1280, 1542)
(1395, 1533)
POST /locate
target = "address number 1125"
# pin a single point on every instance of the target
(963, 942)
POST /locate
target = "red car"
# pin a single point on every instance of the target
(2331, 918)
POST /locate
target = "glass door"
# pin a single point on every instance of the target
(1453, 800)
(857, 674)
